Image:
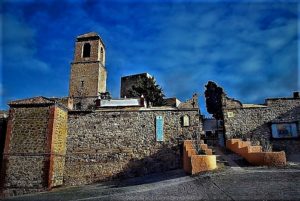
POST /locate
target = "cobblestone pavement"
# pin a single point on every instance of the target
(228, 184)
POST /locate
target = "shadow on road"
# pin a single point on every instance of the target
(151, 178)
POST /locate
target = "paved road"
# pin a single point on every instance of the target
(229, 184)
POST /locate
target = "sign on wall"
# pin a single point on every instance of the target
(159, 128)
(284, 130)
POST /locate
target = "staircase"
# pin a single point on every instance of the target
(229, 159)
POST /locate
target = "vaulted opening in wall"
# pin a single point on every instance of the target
(86, 50)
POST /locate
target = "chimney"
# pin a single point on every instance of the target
(296, 94)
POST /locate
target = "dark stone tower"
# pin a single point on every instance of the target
(88, 73)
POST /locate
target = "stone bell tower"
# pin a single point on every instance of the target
(88, 73)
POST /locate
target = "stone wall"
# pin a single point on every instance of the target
(190, 103)
(84, 103)
(254, 121)
(35, 145)
(87, 79)
(128, 82)
(107, 144)
(3, 124)
(24, 157)
(96, 45)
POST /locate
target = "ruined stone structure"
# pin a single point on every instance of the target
(127, 82)
(48, 145)
(256, 121)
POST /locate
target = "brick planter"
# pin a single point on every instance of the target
(202, 163)
(193, 163)
(267, 158)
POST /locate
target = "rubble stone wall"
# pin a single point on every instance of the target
(255, 122)
(103, 145)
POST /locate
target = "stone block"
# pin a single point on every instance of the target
(203, 163)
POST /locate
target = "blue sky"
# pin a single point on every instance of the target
(250, 48)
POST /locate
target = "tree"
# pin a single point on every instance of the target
(213, 99)
(149, 89)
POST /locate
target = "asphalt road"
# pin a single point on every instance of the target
(229, 184)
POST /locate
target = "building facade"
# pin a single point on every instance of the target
(276, 123)
(69, 141)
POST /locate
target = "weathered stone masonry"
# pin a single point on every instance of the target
(115, 143)
(3, 125)
(33, 158)
(46, 145)
(254, 121)
(88, 74)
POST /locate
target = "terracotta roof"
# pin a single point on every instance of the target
(32, 101)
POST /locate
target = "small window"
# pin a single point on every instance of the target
(185, 120)
(284, 130)
(86, 50)
(82, 83)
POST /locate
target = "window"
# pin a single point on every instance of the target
(82, 83)
(284, 130)
(185, 120)
(86, 50)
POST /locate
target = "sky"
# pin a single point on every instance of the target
(250, 48)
